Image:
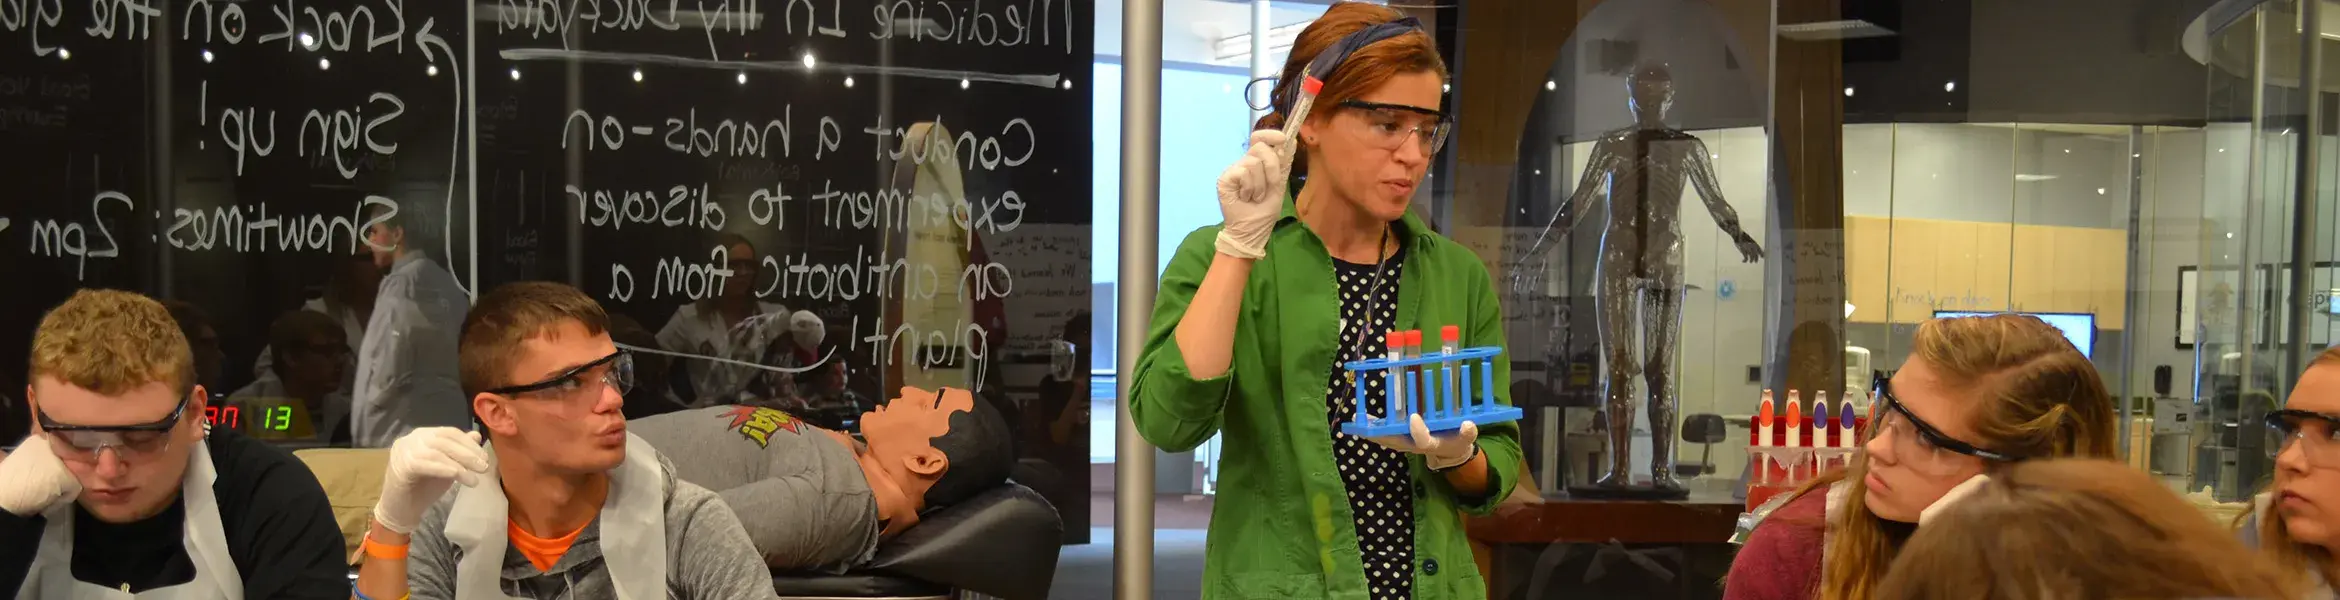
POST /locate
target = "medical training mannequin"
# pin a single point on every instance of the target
(123, 492)
(564, 503)
(816, 499)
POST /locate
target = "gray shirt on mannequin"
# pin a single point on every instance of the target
(797, 490)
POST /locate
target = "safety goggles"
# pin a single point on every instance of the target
(1928, 441)
(586, 380)
(1390, 126)
(2315, 432)
(84, 443)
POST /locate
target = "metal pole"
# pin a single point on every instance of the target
(2131, 320)
(2255, 193)
(2303, 202)
(1141, 147)
(1260, 67)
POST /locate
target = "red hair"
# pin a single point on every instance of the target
(1363, 70)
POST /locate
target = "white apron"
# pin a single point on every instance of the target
(633, 530)
(51, 575)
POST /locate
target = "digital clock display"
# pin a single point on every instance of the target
(223, 416)
(274, 418)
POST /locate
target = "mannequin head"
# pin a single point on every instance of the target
(114, 395)
(1649, 92)
(545, 380)
(1375, 124)
(938, 447)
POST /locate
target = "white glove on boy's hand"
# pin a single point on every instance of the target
(423, 465)
(1251, 195)
(1437, 452)
(32, 479)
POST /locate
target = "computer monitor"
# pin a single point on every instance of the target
(2080, 328)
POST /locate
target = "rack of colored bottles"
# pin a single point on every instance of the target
(1445, 388)
(1800, 446)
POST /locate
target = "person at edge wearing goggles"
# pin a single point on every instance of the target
(123, 491)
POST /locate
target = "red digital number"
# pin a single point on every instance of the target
(213, 415)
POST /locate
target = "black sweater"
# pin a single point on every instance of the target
(280, 532)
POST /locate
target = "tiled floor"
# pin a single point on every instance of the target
(1085, 572)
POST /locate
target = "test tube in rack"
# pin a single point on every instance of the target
(1459, 388)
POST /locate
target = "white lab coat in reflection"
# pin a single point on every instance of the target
(406, 375)
(704, 333)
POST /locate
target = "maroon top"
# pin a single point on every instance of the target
(1781, 560)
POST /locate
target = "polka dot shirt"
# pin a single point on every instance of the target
(1380, 488)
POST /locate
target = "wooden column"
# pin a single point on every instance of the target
(1807, 246)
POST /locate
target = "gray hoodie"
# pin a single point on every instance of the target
(707, 555)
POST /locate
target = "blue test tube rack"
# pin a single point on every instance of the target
(1432, 392)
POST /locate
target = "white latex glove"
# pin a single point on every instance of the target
(1251, 195)
(1437, 452)
(807, 328)
(32, 479)
(1949, 498)
(423, 465)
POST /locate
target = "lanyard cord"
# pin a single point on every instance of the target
(1372, 304)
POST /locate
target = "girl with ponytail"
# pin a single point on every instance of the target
(1975, 395)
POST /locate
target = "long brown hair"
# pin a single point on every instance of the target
(2038, 397)
(2275, 534)
(2078, 529)
(1363, 70)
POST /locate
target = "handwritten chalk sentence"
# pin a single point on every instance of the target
(801, 276)
(690, 207)
(1002, 24)
(685, 134)
(233, 228)
(366, 27)
(346, 135)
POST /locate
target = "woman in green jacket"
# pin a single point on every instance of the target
(1255, 314)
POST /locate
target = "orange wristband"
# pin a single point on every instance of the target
(374, 549)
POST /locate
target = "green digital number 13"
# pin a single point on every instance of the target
(278, 418)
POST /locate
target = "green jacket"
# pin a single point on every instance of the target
(1282, 528)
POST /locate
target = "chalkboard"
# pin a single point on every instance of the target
(222, 153)
(911, 173)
